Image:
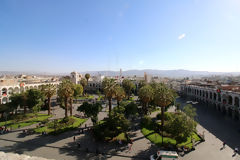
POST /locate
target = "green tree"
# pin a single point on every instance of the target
(180, 127)
(163, 97)
(141, 84)
(146, 94)
(34, 98)
(128, 86)
(5, 108)
(77, 91)
(16, 100)
(131, 109)
(91, 110)
(190, 111)
(119, 94)
(84, 83)
(109, 86)
(48, 91)
(87, 76)
(65, 91)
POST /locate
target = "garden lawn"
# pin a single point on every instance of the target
(86, 97)
(157, 138)
(49, 127)
(29, 120)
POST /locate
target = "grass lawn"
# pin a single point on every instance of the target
(121, 137)
(157, 138)
(27, 121)
(86, 97)
(63, 127)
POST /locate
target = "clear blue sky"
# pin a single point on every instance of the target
(86, 35)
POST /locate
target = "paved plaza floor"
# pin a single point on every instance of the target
(62, 147)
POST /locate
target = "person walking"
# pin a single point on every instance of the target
(74, 138)
(224, 144)
(235, 150)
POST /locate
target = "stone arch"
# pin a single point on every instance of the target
(4, 100)
(16, 90)
(35, 87)
(224, 99)
(21, 89)
(230, 100)
(236, 102)
(26, 88)
(4, 91)
(211, 95)
(31, 87)
(215, 96)
(219, 97)
(10, 91)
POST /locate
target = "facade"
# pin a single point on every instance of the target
(11, 86)
(223, 98)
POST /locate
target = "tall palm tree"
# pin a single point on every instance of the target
(77, 91)
(87, 76)
(146, 95)
(83, 82)
(49, 90)
(128, 86)
(65, 91)
(109, 90)
(119, 94)
(163, 98)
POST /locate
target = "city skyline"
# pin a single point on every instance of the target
(58, 36)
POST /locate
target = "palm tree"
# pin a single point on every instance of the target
(87, 76)
(49, 90)
(77, 91)
(128, 86)
(163, 98)
(83, 82)
(119, 94)
(146, 95)
(109, 86)
(65, 91)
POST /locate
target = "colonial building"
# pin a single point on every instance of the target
(225, 98)
(11, 86)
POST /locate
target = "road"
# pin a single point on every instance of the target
(218, 128)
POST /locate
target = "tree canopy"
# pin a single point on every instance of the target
(128, 86)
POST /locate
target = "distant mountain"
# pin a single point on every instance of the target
(140, 73)
(164, 73)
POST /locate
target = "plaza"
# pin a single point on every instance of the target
(217, 129)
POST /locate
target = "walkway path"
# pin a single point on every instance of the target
(63, 147)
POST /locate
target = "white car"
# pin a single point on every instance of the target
(164, 155)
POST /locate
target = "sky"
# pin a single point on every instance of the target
(59, 36)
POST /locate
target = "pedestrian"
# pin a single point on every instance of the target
(224, 145)
(79, 145)
(74, 138)
(235, 150)
(85, 125)
(129, 147)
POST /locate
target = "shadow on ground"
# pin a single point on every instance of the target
(221, 125)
